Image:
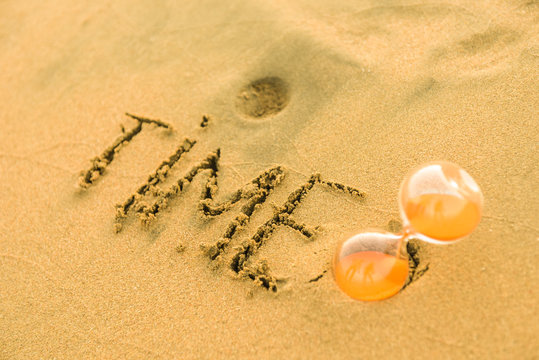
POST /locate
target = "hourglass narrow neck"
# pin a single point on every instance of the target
(407, 233)
(404, 235)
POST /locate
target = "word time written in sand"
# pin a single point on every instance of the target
(149, 199)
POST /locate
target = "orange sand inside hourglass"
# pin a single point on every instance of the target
(441, 216)
(371, 275)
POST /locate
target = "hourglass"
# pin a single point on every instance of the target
(439, 203)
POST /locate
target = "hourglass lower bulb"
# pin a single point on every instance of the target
(439, 203)
(371, 265)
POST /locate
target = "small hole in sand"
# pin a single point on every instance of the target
(263, 97)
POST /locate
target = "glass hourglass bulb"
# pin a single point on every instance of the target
(439, 203)
(371, 266)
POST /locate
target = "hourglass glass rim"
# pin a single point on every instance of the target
(379, 240)
(478, 192)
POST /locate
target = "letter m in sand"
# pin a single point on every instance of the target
(149, 199)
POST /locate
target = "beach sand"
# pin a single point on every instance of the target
(355, 93)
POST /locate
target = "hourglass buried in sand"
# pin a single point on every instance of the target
(439, 203)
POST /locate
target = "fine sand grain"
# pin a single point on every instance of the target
(175, 177)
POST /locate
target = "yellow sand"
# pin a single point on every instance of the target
(369, 90)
